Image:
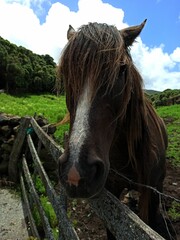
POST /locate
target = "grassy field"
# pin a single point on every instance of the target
(54, 109)
(51, 107)
(171, 116)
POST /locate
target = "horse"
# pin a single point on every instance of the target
(114, 129)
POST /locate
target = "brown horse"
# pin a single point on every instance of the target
(114, 130)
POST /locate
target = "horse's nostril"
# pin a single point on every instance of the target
(96, 171)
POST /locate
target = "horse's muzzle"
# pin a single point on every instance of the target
(82, 179)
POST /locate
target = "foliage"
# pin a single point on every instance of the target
(164, 98)
(21, 70)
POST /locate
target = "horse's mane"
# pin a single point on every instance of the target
(95, 55)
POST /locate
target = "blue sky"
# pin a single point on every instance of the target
(41, 26)
(163, 18)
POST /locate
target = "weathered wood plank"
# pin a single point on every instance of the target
(48, 142)
(28, 209)
(120, 220)
(44, 219)
(58, 202)
(16, 151)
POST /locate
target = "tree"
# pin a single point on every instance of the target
(20, 69)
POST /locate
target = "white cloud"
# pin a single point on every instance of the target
(20, 25)
(22, 2)
(176, 55)
(159, 70)
(96, 11)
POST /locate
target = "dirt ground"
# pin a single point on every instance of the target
(90, 227)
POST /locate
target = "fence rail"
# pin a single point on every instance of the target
(118, 218)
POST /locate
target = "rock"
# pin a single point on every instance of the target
(5, 131)
(14, 121)
(41, 121)
(50, 129)
(6, 147)
(15, 129)
(9, 119)
(10, 141)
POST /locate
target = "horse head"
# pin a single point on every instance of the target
(94, 67)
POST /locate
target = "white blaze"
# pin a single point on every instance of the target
(81, 126)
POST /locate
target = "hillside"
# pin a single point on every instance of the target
(165, 98)
(21, 70)
(151, 92)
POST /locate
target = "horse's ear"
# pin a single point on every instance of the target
(130, 33)
(70, 32)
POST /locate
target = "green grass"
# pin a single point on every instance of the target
(51, 107)
(172, 111)
(171, 115)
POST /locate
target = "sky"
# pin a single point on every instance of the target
(41, 26)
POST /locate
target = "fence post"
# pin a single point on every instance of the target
(16, 151)
(47, 141)
(34, 230)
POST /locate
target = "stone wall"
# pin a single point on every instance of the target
(8, 130)
(9, 126)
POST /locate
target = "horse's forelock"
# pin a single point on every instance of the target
(93, 55)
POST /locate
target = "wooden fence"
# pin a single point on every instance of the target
(121, 221)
